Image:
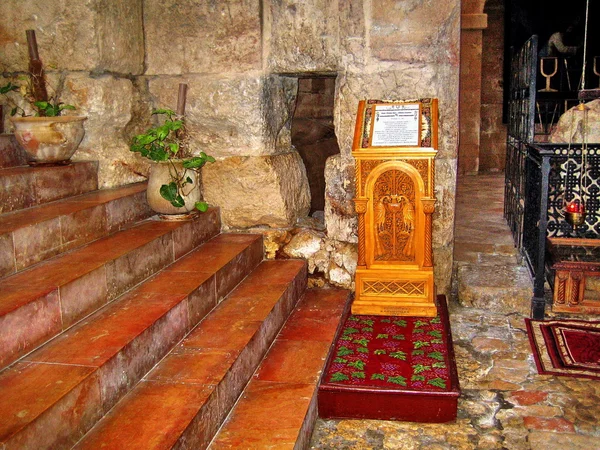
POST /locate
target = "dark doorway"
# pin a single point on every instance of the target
(313, 132)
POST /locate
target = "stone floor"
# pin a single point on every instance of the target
(504, 404)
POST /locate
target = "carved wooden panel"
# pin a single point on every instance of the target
(394, 216)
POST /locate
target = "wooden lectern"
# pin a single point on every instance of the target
(395, 144)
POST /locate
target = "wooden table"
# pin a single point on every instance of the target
(575, 264)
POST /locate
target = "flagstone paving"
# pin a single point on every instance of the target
(504, 404)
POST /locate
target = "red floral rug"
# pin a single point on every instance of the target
(392, 368)
(386, 351)
(566, 347)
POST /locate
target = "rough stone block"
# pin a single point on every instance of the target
(108, 103)
(413, 30)
(97, 35)
(230, 116)
(263, 190)
(340, 218)
(202, 37)
(303, 36)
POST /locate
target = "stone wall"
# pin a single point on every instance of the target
(118, 60)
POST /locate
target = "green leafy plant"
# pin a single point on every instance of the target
(362, 350)
(358, 375)
(439, 382)
(399, 355)
(163, 143)
(50, 108)
(398, 380)
(378, 376)
(417, 378)
(364, 342)
(379, 351)
(358, 364)
(398, 337)
(367, 329)
(343, 351)
(339, 376)
(400, 322)
(436, 355)
(419, 368)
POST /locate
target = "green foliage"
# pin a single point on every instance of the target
(420, 323)
(437, 341)
(386, 320)
(340, 360)
(397, 380)
(436, 320)
(346, 338)
(378, 376)
(348, 331)
(367, 322)
(354, 319)
(49, 108)
(338, 376)
(417, 378)
(343, 351)
(436, 355)
(382, 336)
(398, 337)
(418, 331)
(435, 333)
(367, 330)
(439, 382)
(439, 365)
(400, 322)
(358, 364)
(162, 143)
(418, 352)
(399, 355)
(358, 375)
(362, 350)
(380, 351)
(419, 368)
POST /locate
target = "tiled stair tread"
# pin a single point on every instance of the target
(24, 287)
(278, 407)
(39, 303)
(36, 234)
(19, 219)
(23, 186)
(189, 393)
(85, 370)
(10, 153)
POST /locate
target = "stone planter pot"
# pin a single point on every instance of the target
(165, 172)
(49, 140)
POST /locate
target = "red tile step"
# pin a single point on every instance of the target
(23, 187)
(185, 398)
(278, 408)
(53, 396)
(35, 234)
(38, 303)
(11, 154)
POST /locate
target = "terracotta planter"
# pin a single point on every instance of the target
(162, 173)
(49, 140)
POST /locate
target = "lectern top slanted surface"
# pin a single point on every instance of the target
(394, 147)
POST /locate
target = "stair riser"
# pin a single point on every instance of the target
(205, 425)
(24, 187)
(35, 243)
(28, 327)
(11, 154)
(104, 387)
(54, 428)
(236, 270)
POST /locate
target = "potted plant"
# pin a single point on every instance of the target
(174, 181)
(44, 134)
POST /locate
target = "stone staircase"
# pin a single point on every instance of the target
(122, 331)
(488, 273)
